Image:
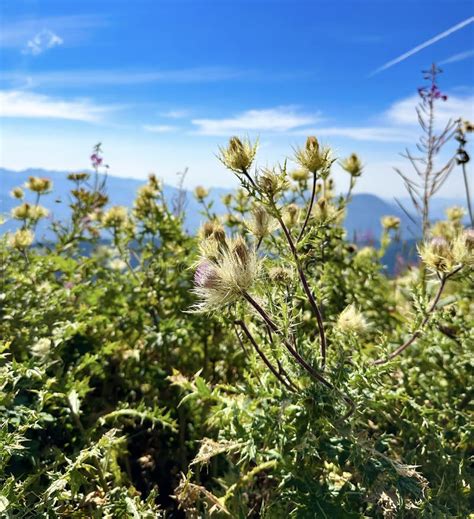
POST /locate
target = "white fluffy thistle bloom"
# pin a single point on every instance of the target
(221, 280)
(351, 320)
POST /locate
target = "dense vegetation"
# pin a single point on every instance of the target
(264, 368)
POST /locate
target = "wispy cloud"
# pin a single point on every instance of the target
(16, 32)
(403, 112)
(86, 78)
(279, 119)
(159, 128)
(42, 41)
(461, 56)
(362, 133)
(422, 46)
(175, 114)
(19, 104)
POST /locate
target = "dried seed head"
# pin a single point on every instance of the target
(280, 275)
(78, 177)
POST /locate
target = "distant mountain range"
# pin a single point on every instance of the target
(363, 215)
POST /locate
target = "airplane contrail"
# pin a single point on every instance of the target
(423, 45)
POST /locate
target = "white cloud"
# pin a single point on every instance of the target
(15, 103)
(363, 133)
(461, 56)
(175, 114)
(279, 119)
(403, 112)
(159, 128)
(44, 40)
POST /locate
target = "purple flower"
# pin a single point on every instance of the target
(205, 275)
(96, 160)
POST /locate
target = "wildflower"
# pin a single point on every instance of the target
(455, 214)
(463, 248)
(437, 255)
(201, 193)
(300, 175)
(116, 216)
(96, 160)
(227, 199)
(78, 177)
(222, 280)
(17, 193)
(39, 185)
(272, 183)
(280, 275)
(290, 215)
(213, 229)
(261, 224)
(351, 320)
(312, 157)
(352, 165)
(239, 155)
(390, 223)
(21, 239)
(325, 212)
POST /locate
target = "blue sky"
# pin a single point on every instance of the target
(163, 83)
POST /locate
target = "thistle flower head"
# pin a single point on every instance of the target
(300, 175)
(272, 183)
(390, 223)
(463, 248)
(116, 217)
(437, 255)
(291, 215)
(352, 165)
(261, 223)
(351, 320)
(225, 276)
(21, 239)
(78, 177)
(313, 157)
(26, 211)
(213, 229)
(280, 275)
(17, 193)
(326, 212)
(239, 154)
(39, 185)
(455, 214)
(200, 193)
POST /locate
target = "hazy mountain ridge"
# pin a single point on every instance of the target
(363, 214)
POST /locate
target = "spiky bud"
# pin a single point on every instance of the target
(201, 193)
(239, 155)
(261, 223)
(39, 185)
(390, 223)
(17, 193)
(21, 239)
(116, 217)
(312, 157)
(352, 165)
